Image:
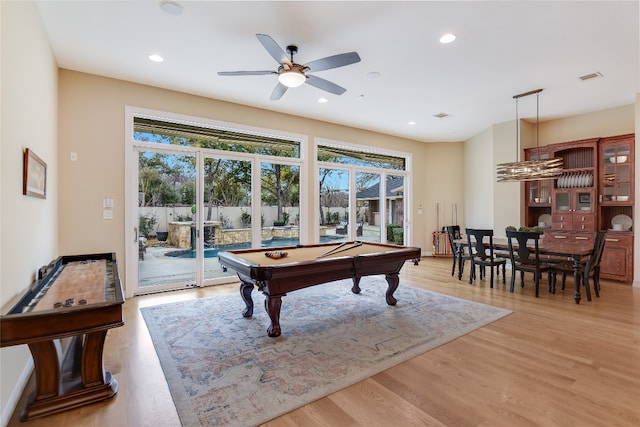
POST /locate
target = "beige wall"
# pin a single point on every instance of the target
(609, 122)
(91, 120)
(479, 180)
(29, 119)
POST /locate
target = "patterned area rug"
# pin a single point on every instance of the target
(223, 369)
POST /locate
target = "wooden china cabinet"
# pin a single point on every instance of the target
(594, 192)
(539, 192)
(615, 197)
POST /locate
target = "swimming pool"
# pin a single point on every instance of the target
(213, 252)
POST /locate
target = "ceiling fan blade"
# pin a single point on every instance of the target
(334, 61)
(246, 73)
(274, 50)
(325, 85)
(278, 91)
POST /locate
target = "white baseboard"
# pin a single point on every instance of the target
(16, 394)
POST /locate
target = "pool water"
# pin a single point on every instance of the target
(213, 252)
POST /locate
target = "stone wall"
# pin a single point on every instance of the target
(180, 234)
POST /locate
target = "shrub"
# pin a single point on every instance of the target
(147, 224)
(534, 229)
(391, 233)
(245, 219)
(398, 236)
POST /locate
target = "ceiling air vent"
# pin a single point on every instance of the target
(441, 115)
(591, 76)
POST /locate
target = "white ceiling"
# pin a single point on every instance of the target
(502, 49)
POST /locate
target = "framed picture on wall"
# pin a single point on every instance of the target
(34, 178)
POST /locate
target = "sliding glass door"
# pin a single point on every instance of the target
(362, 195)
(166, 236)
(225, 210)
(279, 203)
(334, 204)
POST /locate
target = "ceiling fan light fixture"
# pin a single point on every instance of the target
(291, 78)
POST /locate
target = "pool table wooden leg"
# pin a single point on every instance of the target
(246, 287)
(272, 304)
(393, 280)
(356, 285)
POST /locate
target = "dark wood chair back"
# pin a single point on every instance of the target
(590, 267)
(524, 252)
(453, 231)
(480, 243)
(459, 257)
(599, 241)
(481, 252)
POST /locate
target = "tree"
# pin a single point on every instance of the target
(280, 186)
(330, 194)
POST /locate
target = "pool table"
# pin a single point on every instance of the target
(311, 265)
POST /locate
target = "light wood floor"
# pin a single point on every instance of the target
(550, 363)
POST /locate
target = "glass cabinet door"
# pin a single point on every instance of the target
(583, 201)
(562, 201)
(616, 173)
(539, 192)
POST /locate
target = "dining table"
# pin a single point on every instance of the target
(571, 251)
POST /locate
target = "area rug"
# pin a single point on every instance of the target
(223, 369)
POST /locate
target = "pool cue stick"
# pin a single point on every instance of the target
(332, 249)
(355, 245)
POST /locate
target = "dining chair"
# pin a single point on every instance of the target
(457, 249)
(481, 253)
(590, 267)
(524, 252)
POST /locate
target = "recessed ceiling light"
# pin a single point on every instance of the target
(156, 58)
(323, 100)
(411, 123)
(447, 38)
(441, 115)
(171, 7)
(373, 74)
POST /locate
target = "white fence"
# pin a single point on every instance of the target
(231, 217)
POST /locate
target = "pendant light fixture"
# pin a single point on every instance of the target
(529, 170)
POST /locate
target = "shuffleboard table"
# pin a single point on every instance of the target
(311, 265)
(64, 317)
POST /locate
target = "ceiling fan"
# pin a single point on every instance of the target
(291, 74)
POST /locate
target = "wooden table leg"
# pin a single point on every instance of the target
(356, 285)
(77, 380)
(47, 364)
(576, 279)
(246, 287)
(272, 304)
(393, 280)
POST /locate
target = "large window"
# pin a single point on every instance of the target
(362, 194)
(198, 187)
(203, 188)
(165, 132)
